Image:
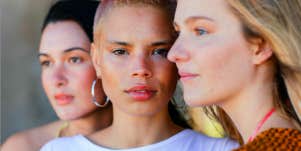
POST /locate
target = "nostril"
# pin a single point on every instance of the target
(60, 80)
(60, 84)
(146, 74)
(142, 73)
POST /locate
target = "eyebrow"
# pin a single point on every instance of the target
(159, 43)
(66, 51)
(75, 48)
(119, 43)
(193, 18)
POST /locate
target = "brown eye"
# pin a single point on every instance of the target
(119, 52)
(75, 60)
(45, 64)
(160, 51)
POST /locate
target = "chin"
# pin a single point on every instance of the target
(67, 116)
(191, 101)
(196, 101)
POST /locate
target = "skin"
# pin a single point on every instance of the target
(143, 49)
(67, 69)
(218, 65)
(67, 75)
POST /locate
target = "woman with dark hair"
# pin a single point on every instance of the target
(67, 76)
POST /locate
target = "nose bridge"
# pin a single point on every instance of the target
(141, 67)
(59, 74)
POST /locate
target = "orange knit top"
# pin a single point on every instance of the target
(275, 139)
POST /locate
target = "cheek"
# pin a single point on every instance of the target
(224, 66)
(82, 79)
(111, 75)
(46, 82)
(220, 57)
(167, 74)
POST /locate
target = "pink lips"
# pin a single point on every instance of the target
(187, 76)
(141, 92)
(63, 99)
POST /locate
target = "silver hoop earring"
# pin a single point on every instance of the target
(94, 98)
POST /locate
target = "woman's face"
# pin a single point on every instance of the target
(131, 59)
(67, 69)
(213, 58)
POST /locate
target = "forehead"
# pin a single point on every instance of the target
(216, 9)
(62, 35)
(133, 21)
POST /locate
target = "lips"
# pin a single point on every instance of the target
(141, 92)
(63, 99)
(184, 76)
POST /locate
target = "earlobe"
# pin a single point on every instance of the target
(94, 56)
(261, 51)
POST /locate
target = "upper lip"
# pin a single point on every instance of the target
(141, 88)
(187, 74)
(59, 95)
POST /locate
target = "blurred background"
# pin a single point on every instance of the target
(23, 102)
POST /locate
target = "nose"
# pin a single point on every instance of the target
(177, 52)
(59, 76)
(141, 68)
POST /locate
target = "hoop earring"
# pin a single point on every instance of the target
(94, 98)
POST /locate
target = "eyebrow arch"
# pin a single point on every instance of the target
(119, 43)
(160, 43)
(42, 54)
(193, 18)
(75, 48)
(66, 51)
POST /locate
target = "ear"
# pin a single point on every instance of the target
(261, 51)
(95, 55)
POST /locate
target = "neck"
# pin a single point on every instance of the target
(87, 124)
(250, 107)
(129, 131)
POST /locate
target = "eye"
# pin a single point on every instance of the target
(200, 31)
(75, 60)
(161, 51)
(119, 52)
(45, 64)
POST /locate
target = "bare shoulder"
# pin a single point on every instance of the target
(31, 139)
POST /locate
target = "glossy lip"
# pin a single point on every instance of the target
(141, 92)
(63, 99)
(184, 76)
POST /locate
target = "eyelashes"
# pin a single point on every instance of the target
(75, 60)
(120, 52)
(158, 51)
(201, 31)
(161, 51)
(46, 63)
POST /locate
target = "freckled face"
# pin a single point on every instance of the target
(132, 62)
(211, 53)
(67, 70)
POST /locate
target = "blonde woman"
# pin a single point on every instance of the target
(244, 56)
